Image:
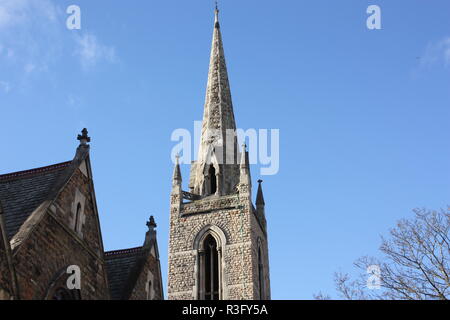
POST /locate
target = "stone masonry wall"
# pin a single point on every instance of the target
(238, 225)
(260, 238)
(4, 271)
(141, 287)
(64, 213)
(53, 246)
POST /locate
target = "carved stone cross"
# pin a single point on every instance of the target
(83, 137)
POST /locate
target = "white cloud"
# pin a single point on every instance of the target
(29, 67)
(90, 51)
(34, 38)
(5, 86)
(437, 53)
(29, 35)
(447, 53)
(19, 12)
(6, 52)
(11, 12)
(9, 53)
(71, 100)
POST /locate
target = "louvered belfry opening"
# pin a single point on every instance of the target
(211, 269)
(213, 179)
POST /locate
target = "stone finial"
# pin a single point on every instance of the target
(150, 235)
(243, 162)
(83, 137)
(259, 195)
(151, 224)
(176, 178)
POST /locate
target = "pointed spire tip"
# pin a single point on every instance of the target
(216, 16)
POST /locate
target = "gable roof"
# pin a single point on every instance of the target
(22, 192)
(122, 266)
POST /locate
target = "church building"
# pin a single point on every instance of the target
(51, 245)
(218, 246)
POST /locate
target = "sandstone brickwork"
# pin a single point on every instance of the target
(241, 230)
(52, 247)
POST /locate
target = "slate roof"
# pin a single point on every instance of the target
(121, 266)
(22, 192)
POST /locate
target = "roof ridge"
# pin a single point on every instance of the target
(31, 172)
(123, 251)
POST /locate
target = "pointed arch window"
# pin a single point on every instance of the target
(62, 294)
(210, 280)
(209, 271)
(65, 294)
(58, 290)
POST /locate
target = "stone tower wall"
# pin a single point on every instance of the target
(239, 262)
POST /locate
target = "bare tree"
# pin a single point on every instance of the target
(415, 263)
(321, 296)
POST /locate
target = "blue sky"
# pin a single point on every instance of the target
(363, 114)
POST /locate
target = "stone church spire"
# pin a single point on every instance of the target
(218, 240)
(216, 170)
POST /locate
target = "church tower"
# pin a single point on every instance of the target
(218, 246)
